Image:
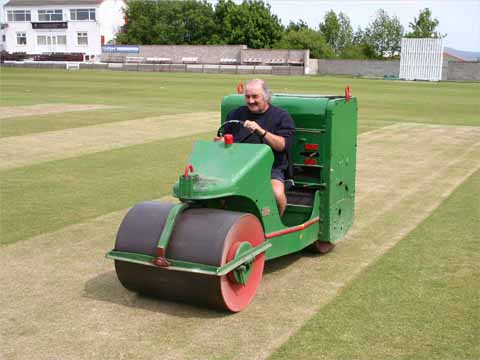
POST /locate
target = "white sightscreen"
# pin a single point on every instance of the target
(421, 59)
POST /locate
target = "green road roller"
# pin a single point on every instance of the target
(210, 248)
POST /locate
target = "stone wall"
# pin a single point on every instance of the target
(266, 55)
(213, 54)
(372, 68)
(206, 54)
(35, 65)
(311, 67)
(463, 71)
(189, 68)
(456, 71)
(453, 71)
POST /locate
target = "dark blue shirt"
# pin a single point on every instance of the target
(275, 120)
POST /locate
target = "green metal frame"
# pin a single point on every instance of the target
(237, 177)
(178, 265)
(331, 123)
(172, 217)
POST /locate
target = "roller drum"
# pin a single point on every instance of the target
(205, 236)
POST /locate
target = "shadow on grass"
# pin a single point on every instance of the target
(274, 265)
(106, 287)
(286, 261)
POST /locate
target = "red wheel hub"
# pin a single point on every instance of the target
(236, 295)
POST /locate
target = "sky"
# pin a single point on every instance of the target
(459, 19)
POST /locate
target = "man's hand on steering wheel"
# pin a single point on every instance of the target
(250, 125)
(254, 127)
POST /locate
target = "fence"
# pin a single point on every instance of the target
(189, 68)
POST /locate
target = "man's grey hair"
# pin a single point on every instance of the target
(267, 94)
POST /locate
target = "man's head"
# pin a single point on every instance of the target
(257, 96)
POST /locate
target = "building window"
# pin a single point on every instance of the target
(82, 14)
(21, 39)
(4, 38)
(62, 40)
(50, 15)
(82, 38)
(18, 15)
(41, 40)
(53, 39)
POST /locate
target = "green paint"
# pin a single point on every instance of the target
(242, 273)
(237, 176)
(246, 256)
(175, 211)
(329, 122)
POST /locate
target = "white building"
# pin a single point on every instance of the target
(65, 26)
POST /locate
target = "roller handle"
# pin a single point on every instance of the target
(348, 93)
(188, 168)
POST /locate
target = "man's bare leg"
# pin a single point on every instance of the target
(279, 192)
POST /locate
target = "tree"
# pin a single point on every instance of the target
(306, 39)
(250, 23)
(198, 22)
(359, 48)
(384, 35)
(330, 29)
(337, 31)
(168, 27)
(136, 30)
(424, 26)
(222, 10)
(300, 25)
(168, 22)
(345, 36)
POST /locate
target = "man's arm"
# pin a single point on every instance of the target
(276, 142)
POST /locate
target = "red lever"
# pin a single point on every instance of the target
(348, 93)
(188, 168)
(228, 139)
(240, 88)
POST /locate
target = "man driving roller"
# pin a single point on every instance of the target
(264, 123)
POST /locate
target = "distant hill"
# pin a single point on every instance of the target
(465, 55)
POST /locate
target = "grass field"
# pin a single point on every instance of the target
(419, 301)
(403, 284)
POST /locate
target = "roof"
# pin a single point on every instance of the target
(51, 2)
(462, 55)
(453, 56)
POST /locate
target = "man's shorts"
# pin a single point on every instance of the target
(278, 174)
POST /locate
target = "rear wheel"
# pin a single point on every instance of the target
(321, 247)
(206, 236)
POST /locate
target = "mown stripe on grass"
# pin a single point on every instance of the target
(419, 301)
(41, 198)
(30, 149)
(54, 145)
(66, 120)
(91, 315)
(41, 109)
(48, 196)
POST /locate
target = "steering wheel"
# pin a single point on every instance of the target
(220, 129)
